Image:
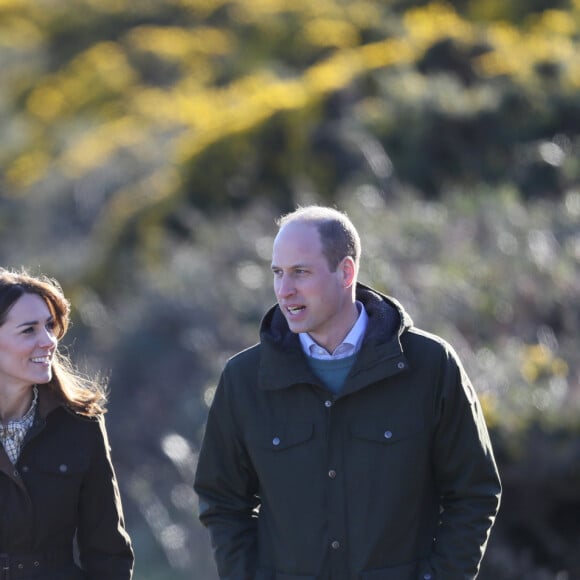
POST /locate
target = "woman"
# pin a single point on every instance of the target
(57, 484)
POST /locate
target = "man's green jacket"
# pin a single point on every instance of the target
(393, 479)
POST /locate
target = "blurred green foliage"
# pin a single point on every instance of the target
(148, 147)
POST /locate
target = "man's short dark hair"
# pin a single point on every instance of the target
(338, 235)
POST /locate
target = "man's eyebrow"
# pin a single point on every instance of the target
(292, 267)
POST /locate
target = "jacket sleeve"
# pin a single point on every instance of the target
(227, 488)
(466, 475)
(104, 546)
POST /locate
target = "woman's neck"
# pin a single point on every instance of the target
(15, 402)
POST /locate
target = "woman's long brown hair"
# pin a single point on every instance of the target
(82, 394)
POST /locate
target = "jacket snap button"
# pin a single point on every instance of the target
(276, 441)
(36, 563)
(388, 435)
(332, 474)
(335, 545)
(63, 468)
(328, 403)
(25, 468)
(15, 473)
(20, 566)
(427, 576)
(401, 365)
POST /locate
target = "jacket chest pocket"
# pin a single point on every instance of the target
(279, 448)
(54, 484)
(54, 477)
(391, 446)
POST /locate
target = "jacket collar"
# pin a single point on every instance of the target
(48, 400)
(283, 363)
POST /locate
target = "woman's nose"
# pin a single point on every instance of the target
(47, 338)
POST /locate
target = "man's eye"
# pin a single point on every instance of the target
(28, 330)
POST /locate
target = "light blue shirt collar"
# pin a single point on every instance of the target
(349, 346)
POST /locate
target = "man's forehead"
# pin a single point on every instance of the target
(298, 225)
(297, 233)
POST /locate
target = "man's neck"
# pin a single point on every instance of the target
(330, 343)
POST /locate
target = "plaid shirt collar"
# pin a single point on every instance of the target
(12, 434)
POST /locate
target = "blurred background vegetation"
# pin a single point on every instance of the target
(147, 148)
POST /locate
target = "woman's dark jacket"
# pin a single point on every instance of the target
(64, 484)
(394, 479)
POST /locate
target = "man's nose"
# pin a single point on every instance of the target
(285, 287)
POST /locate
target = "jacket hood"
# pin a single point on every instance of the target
(283, 363)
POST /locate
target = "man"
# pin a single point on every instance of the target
(347, 444)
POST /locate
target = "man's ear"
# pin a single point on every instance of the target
(348, 269)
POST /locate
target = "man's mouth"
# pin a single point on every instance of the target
(295, 309)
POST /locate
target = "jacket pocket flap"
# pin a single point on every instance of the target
(62, 465)
(284, 435)
(386, 432)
